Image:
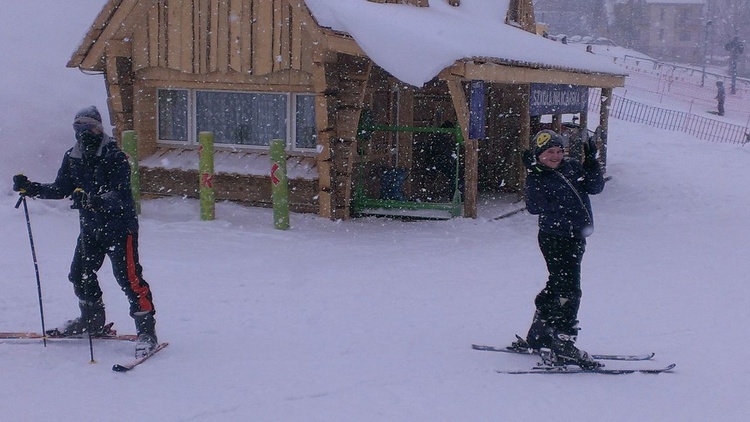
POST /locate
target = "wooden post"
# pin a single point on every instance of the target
(405, 140)
(130, 146)
(524, 141)
(557, 122)
(583, 123)
(206, 175)
(471, 154)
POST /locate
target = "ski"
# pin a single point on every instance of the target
(577, 370)
(108, 334)
(128, 366)
(647, 356)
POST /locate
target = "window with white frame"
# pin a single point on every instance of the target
(249, 119)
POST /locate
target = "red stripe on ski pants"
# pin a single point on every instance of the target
(139, 287)
(122, 249)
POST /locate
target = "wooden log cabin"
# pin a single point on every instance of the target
(255, 70)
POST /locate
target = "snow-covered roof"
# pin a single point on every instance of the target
(415, 43)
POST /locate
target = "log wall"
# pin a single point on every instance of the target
(252, 37)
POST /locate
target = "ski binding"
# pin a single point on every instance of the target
(128, 366)
(645, 356)
(566, 369)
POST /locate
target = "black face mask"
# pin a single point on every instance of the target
(89, 142)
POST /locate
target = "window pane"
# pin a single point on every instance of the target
(242, 118)
(173, 115)
(306, 134)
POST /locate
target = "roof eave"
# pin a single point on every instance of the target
(92, 36)
(510, 71)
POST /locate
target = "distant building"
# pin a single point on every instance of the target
(572, 17)
(665, 29)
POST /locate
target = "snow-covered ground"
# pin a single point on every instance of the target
(371, 319)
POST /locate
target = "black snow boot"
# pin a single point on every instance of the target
(565, 352)
(539, 335)
(93, 319)
(145, 326)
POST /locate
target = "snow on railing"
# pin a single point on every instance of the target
(701, 127)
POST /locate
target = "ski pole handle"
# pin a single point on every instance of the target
(20, 199)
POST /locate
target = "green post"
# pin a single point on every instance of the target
(206, 175)
(130, 146)
(279, 185)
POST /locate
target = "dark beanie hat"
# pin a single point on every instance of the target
(90, 111)
(546, 139)
(88, 120)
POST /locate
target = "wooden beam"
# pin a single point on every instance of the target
(460, 104)
(93, 33)
(201, 21)
(153, 38)
(524, 138)
(187, 38)
(235, 34)
(277, 38)
(296, 40)
(93, 58)
(174, 34)
(118, 48)
(262, 37)
(305, 20)
(304, 23)
(140, 45)
(471, 152)
(160, 37)
(222, 37)
(341, 44)
(246, 37)
(286, 46)
(213, 37)
(497, 73)
(286, 80)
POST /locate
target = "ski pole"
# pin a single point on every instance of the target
(21, 199)
(86, 283)
(88, 329)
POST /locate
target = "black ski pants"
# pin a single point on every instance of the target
(560, 299)
(122, 249)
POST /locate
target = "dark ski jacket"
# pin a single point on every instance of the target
(561, 197)
(105, 176)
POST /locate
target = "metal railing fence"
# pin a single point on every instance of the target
(701, 127)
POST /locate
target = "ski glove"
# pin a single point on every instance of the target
(24, 186)
(529, 161)
(84, 200)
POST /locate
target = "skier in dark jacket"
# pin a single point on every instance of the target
(95, 174)
(720, 97)
(558, 189)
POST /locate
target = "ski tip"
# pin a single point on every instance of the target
(120, 368)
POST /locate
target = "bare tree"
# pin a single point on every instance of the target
(730, 19)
